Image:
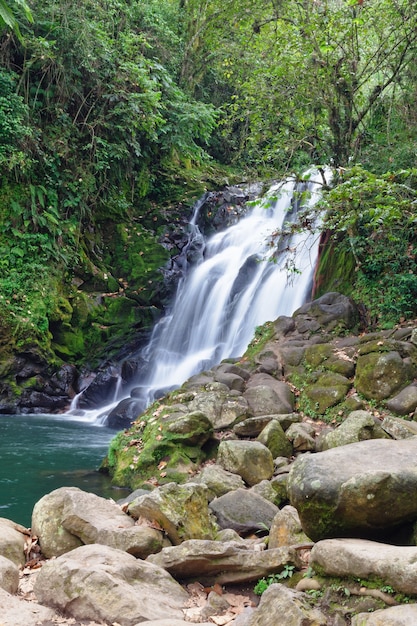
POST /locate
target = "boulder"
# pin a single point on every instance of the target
(222, 562)
(362, 489)
(218, 480)
(69, 517)
(250, 459)
(221, 408)
(244, 511)
(330, 389)
(181, 510)
(302, 437)
(265, 398)
(380, 375)
(12, 541)
(330, 311)
(395, 566)
(399, 428)
(15, 612)
(101, 583)
(286, 529)
(9, 575)
(273, 437)
(279, 600)
(404, 615)
(404, 402)
(252, 426)
(358, 426)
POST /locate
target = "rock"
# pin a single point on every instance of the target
(250, 459)
(330, 389)
(266, 491)
(404, 402)
(218, 480)
(12, 541)
(274, 438)
(329, 311)
(381, 375)
(68, 517)
(358, 490)
(9, 575)
(302, 437)
(404, 615)
(15, 612)
(399, 428)
(222, 562)
(252, 426)
(280, 600)
(102, 583)
(221, 408)
(358, 426)
(243, 511)
(367, 560)
(181, 510)
(264, 399)
(286, 529)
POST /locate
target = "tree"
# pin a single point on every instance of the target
(8, 12)
(308, 75)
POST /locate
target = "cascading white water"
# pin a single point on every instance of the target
(240, 283)
(248, 274)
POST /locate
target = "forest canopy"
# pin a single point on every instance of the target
(112, 111)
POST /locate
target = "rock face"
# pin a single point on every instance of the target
(102, 583)
(362, 489)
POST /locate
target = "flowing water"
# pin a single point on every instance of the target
(246, 275)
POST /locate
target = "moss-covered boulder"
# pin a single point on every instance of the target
(329, 389)
(161, 446)
(380, 375)
(181, 510)
(359, 490)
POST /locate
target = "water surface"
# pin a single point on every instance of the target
(39, 453)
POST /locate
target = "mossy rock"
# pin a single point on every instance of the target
(162, 448)
(381, 375)
(329, 390)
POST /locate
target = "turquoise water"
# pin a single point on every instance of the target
(39, 453)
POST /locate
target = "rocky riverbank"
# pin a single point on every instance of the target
(291, 472)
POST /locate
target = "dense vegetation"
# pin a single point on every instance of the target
(113, 112)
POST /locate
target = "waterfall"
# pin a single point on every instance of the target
(250, 273)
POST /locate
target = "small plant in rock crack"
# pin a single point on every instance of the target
(263, 583)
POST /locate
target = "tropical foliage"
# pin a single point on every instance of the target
(111, 111)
